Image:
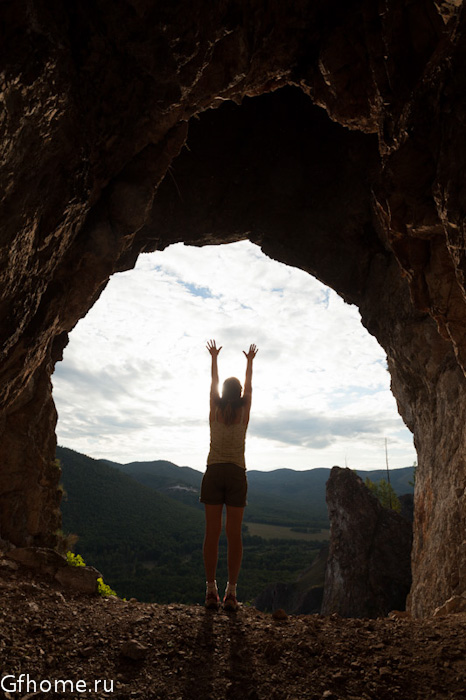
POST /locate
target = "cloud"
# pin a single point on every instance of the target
(316, 431)
(135, 379)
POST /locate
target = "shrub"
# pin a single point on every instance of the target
(385, 493)
(103, 589)
(74, 559)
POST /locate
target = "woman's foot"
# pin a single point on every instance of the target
(212, 600)
(230, 604)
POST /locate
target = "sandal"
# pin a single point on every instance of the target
(230, 604)
(212, 601)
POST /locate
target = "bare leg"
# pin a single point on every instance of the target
(235, 542)
(213, 528)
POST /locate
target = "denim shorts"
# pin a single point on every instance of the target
(224, 483)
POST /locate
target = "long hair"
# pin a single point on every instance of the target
(231, 400)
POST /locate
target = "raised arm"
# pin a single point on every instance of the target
(214, 395)
(250, 355)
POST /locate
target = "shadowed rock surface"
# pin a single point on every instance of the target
(353, 171)
(369, 564)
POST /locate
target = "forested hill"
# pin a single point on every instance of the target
(125, 529)
(281, 496)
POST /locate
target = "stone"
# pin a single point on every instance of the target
(49, 562)
(80, 578)
(399, 614)
(134, 650)
(368, 568)
(279, 615)
(86, 651)
(329, 134)
(5, 546)
(6, 564)
(385, 671)
(46, 560)
(455, 604)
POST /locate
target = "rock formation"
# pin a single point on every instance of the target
(369, 564)
(49, 562)
(352, 171)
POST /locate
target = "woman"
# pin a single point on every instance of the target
(224, 481)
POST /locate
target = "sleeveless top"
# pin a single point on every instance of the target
(227, 442)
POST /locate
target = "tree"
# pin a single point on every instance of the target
(385, 493)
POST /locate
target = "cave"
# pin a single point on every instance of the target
(328, 132)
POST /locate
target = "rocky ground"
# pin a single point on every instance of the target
(149, 651)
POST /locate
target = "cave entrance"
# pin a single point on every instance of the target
(277, 172)
(134, 386)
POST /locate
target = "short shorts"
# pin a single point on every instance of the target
(224, 483)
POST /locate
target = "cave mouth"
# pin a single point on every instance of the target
(125, 393)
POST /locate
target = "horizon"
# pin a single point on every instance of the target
(135, 378)
(268, 471)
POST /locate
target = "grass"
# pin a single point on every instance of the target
(280, 532)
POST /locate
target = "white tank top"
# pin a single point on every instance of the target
(227, 442)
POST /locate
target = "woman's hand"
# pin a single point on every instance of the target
(253, 350)
(212, 348)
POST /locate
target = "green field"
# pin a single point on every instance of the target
(279, 532)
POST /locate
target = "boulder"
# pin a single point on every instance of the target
(46, 560)
(455, 604)
(80, 578)
(49, 562)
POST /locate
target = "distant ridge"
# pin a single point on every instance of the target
(281, 496)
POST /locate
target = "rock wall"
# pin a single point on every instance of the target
(365, 193)
(369, 563)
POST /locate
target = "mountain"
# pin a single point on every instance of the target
(279, 497)
(181, 483)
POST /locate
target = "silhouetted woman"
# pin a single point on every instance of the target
(224, 481)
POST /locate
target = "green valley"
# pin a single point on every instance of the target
(142, 525)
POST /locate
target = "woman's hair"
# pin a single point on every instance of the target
(231, 400)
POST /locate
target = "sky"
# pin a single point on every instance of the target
(135, 379)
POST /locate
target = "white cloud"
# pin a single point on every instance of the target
(134, 383)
